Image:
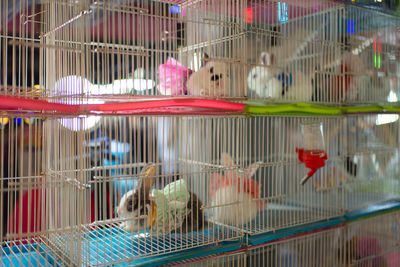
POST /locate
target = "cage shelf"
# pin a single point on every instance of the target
(349, 217)
(30, 252)
(371, 241)
(114, 245)
(101, 248)
(187, 106)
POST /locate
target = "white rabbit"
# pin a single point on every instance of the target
(271, 83)
(276, 78)
(233, 194)
(260, 79)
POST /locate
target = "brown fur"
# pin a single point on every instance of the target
(195, 219)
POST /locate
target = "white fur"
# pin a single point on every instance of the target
(122, 211)
(122, 207)
(201, 84)
(262, 81)
(301, 89)
(234, 214)
(246, 208)
(131, 225)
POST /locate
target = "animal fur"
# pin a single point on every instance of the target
(137, 202)
(232, 195)
(210, 80)
(264, 79)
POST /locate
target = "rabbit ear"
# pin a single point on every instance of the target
(227, 160)
(215, 183)
(147, 178)
(206, 62)
(251, 170)
(266, 59)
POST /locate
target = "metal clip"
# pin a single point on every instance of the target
(28, 18)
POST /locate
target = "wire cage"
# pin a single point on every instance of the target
(307, 51)
(80, 189)
(148, 48)
(253, 174)
(321, 51)
(23, 221)
(141, 202)
(239, 174)
(217, 177)
(372, 242)
(312, 249)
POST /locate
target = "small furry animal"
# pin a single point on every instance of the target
(136, 202)
(210, 80)
(274, 78)
(137, 205)
(235, 187)
(271, 83)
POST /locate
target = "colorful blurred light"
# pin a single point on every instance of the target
(3, 122)
(377, 52)
(249, 15)
(29, 121)
(350, 26)
(282, 12)
(176, 9)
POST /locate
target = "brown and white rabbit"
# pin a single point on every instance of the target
(137, 206)
(136, 202)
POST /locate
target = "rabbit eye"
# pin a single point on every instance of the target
(129, 207)
(212, 70)
(142, 209)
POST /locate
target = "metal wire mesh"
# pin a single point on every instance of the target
(74, 199)
(62, 178)
(93, 51)
(372, 242)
